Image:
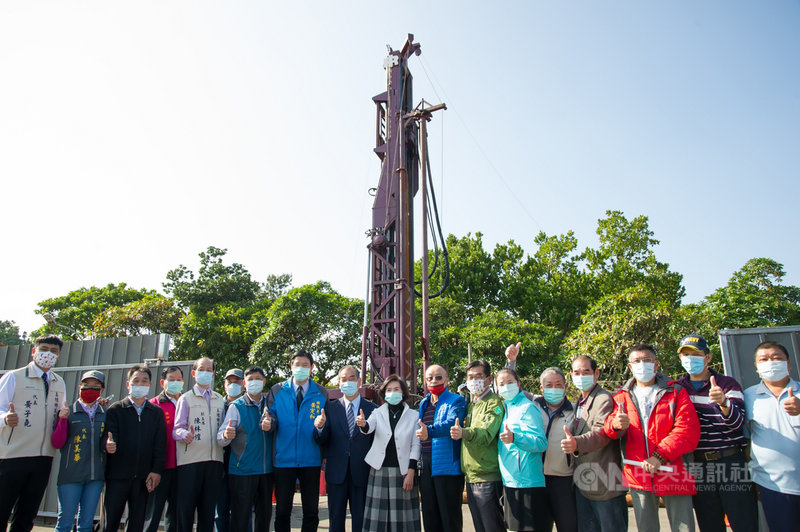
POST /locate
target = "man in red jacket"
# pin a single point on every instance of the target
(657, 424)
(167, 490)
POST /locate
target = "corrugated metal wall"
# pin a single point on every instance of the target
(739, 345)
(114, 357)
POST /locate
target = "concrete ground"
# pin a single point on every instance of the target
(45, 524)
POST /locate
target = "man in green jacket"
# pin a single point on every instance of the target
(479, 449)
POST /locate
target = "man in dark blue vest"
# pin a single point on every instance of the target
(346, 472)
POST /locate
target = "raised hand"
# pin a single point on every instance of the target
(506, 436)
(230, 431)
(189, 438)
(12, 419)
(456, 430)
(715, 393)
(792, 404)
(319, 421)
(360, 419)
(512, 351)
(63, 412)
(621, 420)
(111, 446)
(568, 444)
(422, 431)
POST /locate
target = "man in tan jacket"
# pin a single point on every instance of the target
(600, 496)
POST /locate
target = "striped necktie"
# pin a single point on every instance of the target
(351, 419)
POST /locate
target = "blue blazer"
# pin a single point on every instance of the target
(342, 451)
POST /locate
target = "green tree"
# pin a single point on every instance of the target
(79, 309)
(755, 297)
(314, 318)
(9, 333)
(152, 314)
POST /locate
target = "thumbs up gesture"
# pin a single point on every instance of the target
(319, 421)
(360, 420)
(506, 436)
(111, 446)
(63, 412)
(792, 404)
(456, 430)
(621, 420)
(189, 438)
(12, 419)
(230, 431)
(266, 422)
(568, 444)
(512, 351)
(422, 431)
(715, 393)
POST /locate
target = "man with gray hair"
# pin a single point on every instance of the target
(557, 415)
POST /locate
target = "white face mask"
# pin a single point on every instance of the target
(773, 370)
(45, 359)
(644, 371)
(476, 386)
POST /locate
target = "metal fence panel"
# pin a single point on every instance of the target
(739, 345)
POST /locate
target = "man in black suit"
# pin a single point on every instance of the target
(134, 438)
(346, 473)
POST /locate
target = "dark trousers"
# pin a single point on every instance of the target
(724, 489)
(22, 485)
(132, 492)
(284, 496)
(247, 491)
(441, 500)
(601, 516)
(338, 497)
(561, 503)
(166, 493)
(222, 520)
(198, 485)
(781, 510)
(483, 499)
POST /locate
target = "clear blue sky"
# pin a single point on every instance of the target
(134, 135)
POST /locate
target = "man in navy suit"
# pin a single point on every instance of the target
(346, 472)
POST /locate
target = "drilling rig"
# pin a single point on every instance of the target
(388, 342)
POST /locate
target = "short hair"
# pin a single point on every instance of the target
(350, 366)
(446, 372)
(255, 369)
(49, 339)
(140, 368)
(390, 379)
(592, 362)
(509, 371)
(196, 363)
(555, 370)
(166, 371)
(771, 345)
(642, 347)
(487, 369)
(302, 353)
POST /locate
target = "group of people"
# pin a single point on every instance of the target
(704, 446)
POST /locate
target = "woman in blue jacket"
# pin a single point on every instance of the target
(520, 447)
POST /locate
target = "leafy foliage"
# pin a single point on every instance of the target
(152, 314)
(9, 333)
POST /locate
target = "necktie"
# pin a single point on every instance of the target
(299, 397)
(351, 419)
(46, 384)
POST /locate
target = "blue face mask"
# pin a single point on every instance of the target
(554, 396)
(254, 387)
(693, 365)
(174, 387)
(508, 391)
(233, 389)
(583, 382)
(300, 373)
(203, 378)
(137, 392)
(643, 371)
(393, 398)
(349, 388)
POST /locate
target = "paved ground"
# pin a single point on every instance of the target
(47, 524)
